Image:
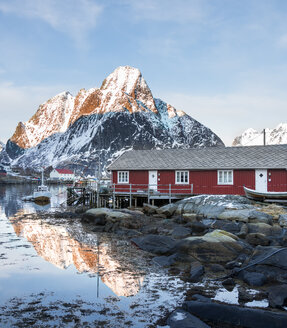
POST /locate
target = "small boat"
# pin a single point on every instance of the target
(280, 196)
(41, 195)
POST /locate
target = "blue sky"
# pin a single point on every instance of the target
(224, 62)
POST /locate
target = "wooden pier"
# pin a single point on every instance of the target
(129, 195)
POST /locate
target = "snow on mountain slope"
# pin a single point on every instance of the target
(122, 114)
(105, 136)
(251, 137)
(124, 89)
(52, 116)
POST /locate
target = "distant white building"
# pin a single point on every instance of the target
(62, 174)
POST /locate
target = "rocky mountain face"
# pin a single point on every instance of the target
(251, 137)
(101, 123)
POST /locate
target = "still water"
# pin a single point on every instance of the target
(56, 273)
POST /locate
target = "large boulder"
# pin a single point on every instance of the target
(234, 316)
(106, 213)
(283, 220)
(211, 206)
(167, 210)
(214, 247)
(180, 232)
(196, 271)
(270, 261)
(182, 319)
(256, 239)
(235, 215)
(265, 229)
(226, 225)
(155, 244)
(258, 216)
(253, 278)
(149, 209)
(277, 296)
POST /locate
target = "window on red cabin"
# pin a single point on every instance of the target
(225, 177)
(181, 177)
(123, 176)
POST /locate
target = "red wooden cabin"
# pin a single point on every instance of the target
(213, 170)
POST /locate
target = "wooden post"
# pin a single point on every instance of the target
(130, 195)
(148, 200)
(98, 194)
(169, 193)
(136, 202)
(114, 196)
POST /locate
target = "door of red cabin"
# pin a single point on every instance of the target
(152, 180)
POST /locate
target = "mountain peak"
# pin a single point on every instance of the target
(252, 137)
(123, 78)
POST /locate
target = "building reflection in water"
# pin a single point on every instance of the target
(65, 245)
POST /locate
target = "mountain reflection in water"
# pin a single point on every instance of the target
(109, 258)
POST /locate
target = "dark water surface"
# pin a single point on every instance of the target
(55, 273)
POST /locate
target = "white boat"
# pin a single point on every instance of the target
(265, 196)
(41, 194)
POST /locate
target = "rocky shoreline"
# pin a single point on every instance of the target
(238, 243)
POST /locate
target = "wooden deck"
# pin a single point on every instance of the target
(128, 195)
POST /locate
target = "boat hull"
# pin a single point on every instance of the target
(257, 195)
(41, 197)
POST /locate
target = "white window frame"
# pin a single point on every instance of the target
(179, 174)
(123, 177)
(223, 177)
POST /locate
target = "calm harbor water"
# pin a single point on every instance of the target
(55, 273)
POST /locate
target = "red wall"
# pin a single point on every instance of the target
(278, 180)
(204, 182)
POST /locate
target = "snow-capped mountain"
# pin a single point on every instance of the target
(103, 122)
(251, 137)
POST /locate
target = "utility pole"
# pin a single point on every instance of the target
(264, 137)
(98, 182)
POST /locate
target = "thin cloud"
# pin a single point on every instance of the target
(282, 42)
(180, 11)
(72, 17)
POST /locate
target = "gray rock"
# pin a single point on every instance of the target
(217, 246)
(229, 284)
(197, 227)
(182, 319)
(196, 271)
(244, 296)
(232, 227)
(243, 231)
(283, 220)
(277, 296)
(234, 316)
(166, 261)
(256, 239)
(149, 209)
(216, 268)
(253, 278)
(257, 216)
(273, 262)
(167, 210)
(181, 232)
(235, 215)
(189, 217)
(155, 244)
(265, 229)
